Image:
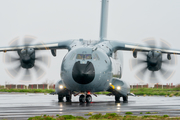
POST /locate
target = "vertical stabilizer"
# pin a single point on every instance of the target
(104, 19)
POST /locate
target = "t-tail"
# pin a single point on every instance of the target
(104, 20)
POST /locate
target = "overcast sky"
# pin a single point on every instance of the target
(55, 20)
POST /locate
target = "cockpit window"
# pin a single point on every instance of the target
(83, 56)
(88, 56)
(79, 56)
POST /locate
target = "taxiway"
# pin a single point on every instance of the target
(25, 105)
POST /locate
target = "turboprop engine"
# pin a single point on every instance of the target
(24, 59)
(119, 88)
(154, 60)
(27, 57)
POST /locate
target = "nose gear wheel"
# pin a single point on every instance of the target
(85, 98)
(82, 99)
(88, 98)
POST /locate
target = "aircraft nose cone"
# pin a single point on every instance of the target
(83, 73)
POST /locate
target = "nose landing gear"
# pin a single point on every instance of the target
(88, 98)
(85, 98)
(82, 98)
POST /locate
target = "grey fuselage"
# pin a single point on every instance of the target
(94, 73)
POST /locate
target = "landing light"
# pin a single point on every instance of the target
(60, 86)
(118, 88)
(118, 104)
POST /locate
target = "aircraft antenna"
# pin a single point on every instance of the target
(104, 20)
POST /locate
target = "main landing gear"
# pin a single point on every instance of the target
(117, 98)
(85, 98)
(61, 97)
(66, 94)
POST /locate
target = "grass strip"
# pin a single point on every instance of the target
(157, 91)
(28, 90)
(138, 91)
(111, 116)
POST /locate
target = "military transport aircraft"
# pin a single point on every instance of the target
(92, 66)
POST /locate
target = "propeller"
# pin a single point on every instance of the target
(26, 61)
(153, 63)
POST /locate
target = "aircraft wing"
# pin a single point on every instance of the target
(43, 46)
(117, 45)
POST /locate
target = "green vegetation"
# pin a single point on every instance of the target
(165, 115)
(148, 113)
(152, 91)
(104, 93)
(89, 114)
(137, 91)
(157, 91)
(64, 117)
(171, 95)
(128, 113)
(28, 90)
(154, 112)
(111, 116)
(151, 112)
(1, 87)
(106, 116)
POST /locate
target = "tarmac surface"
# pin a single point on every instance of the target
(24, 105)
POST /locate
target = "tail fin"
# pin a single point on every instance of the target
(104, 20)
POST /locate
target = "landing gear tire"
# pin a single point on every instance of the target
(88, 98)
(125, 98)
(60, 98)
(82, 99)
(117, 98)
(68, 98)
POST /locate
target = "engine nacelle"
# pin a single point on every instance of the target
(27, 57)
(61, 89)
(119, 87)
(154, 60)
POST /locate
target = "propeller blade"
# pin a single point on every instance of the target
(144, 54)
(10, 59)
(167, 62)
(27, 75)
(153, 77)
(164, 44)
(166, 74)
(150, 43)
(171, 62)
(43, 59)
(39, 71)
(140, 74)
(28, 40)
(136, 62)
(15, 71)
(14, 42)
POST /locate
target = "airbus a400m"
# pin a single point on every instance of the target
(92, 66)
